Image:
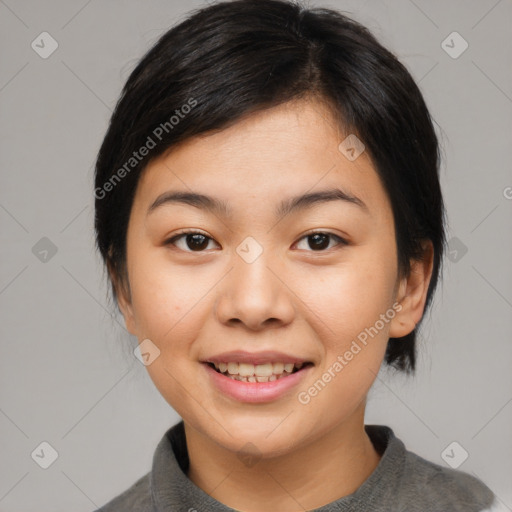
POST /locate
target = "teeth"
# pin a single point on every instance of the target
(247, 372)
(233, 368)
(264, 370)
(278, 368)
(254, 378)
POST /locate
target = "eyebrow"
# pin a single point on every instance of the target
(215, 205)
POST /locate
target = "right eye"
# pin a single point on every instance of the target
(194, 241)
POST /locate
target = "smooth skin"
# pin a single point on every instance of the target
(294, 298)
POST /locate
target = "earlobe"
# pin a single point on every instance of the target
(412, 294)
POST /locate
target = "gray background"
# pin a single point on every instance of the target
(68, 376)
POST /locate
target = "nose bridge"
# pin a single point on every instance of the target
(253, 294)
(251, 269)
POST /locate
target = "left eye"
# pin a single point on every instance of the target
(319, 241)
(197, 241)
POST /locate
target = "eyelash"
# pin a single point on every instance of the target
(341, 241)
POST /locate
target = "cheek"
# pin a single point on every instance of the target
(167, 299)
(345, 299)
(169, 304)
(345, 309)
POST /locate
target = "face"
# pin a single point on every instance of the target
(263, 281)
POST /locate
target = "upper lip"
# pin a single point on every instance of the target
(241, 356)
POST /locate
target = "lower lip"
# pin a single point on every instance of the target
(255, 392)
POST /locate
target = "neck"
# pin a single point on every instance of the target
(311, 476)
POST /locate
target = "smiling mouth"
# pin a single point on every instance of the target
(267, 372)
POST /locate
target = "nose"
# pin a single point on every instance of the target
(256, 295)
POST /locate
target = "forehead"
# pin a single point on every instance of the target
(276, 153)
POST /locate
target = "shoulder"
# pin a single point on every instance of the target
(137, 497)
(442, 489)
(158, 489)
(406, 482)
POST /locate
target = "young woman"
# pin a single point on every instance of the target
(269, 211)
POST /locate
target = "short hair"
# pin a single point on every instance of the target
(234, 58)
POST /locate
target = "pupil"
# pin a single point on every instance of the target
(200, 241)
(321, 241)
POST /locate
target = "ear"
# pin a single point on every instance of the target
(412, 293)
(123, 299)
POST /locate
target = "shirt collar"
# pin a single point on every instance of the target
(171, 489)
